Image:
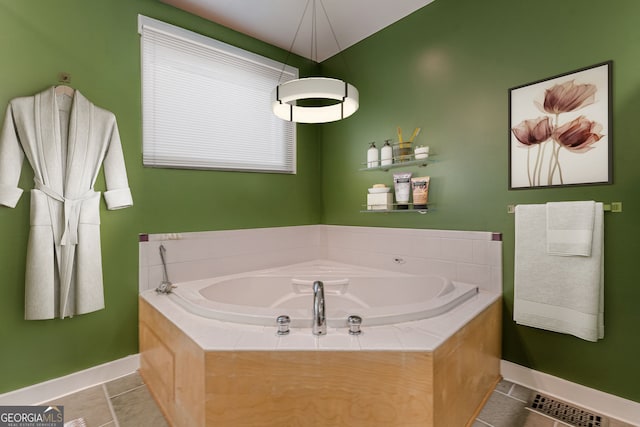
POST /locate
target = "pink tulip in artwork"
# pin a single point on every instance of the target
(568, 96)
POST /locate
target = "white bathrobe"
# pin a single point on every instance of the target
(65, 140)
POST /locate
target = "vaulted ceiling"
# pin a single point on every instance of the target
(288, 24)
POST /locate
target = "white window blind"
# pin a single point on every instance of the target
(207, 104)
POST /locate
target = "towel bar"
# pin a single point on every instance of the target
(614, 207)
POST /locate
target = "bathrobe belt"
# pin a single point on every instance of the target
(71, 212)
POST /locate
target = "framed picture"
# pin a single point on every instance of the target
(560, 130)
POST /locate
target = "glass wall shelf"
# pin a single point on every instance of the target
(396, 210)
(395, 165)
(406, 162)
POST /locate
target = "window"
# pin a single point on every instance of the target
(207, 105)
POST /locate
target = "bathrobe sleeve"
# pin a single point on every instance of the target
(118, 194)
(11, 159)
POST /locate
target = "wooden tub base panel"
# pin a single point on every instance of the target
(442, 388)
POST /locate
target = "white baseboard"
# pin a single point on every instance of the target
(597, 401)
(48, 390)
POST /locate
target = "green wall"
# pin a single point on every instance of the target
(448, 68)
(96, 41)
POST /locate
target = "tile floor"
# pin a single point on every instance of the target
(507, 408)
(126, 402)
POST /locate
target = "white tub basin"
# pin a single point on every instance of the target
(380, 297)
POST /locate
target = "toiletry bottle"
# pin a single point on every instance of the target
(386, 154)
(372, 156)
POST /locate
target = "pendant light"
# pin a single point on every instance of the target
(338, 99)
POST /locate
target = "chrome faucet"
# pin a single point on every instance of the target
(319, 326)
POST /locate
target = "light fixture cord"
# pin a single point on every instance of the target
(314, 34)
(333, 33)
(295, 36)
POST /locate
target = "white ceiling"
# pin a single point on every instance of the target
(276, 21)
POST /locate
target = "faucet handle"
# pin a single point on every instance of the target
(354, 323)
(283, 324)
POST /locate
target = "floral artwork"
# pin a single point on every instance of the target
(559, 130)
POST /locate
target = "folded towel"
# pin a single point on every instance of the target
(562, 294)
(570, 228)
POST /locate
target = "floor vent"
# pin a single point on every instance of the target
(566, 413)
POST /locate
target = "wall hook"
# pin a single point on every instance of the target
(64, 78)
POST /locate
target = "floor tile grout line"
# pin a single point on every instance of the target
(111, 409)
(129, 390)
(519, 400)
(510, 396)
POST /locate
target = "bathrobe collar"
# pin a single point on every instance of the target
(56, 170)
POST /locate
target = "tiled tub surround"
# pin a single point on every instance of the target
(209, 372)
(466, 256)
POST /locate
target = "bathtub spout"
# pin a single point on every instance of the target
(319, 326)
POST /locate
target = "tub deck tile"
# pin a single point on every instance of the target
(338, 339)
(380, 338)
(417, 339)
(215, 335)
(259, 338)
(298, 339)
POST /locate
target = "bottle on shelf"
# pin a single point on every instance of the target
(386, 154)
(372, 156)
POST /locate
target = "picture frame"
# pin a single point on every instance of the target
(560, 130)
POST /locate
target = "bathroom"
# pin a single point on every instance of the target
(446, 68)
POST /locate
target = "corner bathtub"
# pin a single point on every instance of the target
(380, 297)
(429, 354)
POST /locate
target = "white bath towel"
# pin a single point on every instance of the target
(562, 294)
(570, 228)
